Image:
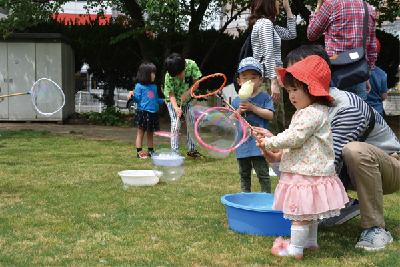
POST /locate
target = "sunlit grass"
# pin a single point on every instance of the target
(63, 203)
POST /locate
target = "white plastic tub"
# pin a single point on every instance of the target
(138, 177)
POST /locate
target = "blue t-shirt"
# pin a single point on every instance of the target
(146, 97)
(378, 83)
(262, 100)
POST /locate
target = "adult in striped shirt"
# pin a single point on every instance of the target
(373, 165)
(342, 21)
(266, 39)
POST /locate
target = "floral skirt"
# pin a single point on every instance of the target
(145, 120)
(303, 197)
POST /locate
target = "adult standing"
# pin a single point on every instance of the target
(266, 39)
(373, 165)
(342, 21)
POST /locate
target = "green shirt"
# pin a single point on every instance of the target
(180, 86)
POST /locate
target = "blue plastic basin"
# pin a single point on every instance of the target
(251, 213)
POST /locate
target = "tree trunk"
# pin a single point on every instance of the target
(194, 25)
(111, 89)
(136, 14)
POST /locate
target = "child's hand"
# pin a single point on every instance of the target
(261, 132)
(165, 101)
(129, 95)
(246, 106)
(178, 112)
(261, 144)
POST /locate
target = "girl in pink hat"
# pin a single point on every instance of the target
(309, 188)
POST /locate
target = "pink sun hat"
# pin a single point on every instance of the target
(313, 71)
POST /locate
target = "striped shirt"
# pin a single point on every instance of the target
(349, 120)
(343, 22)
(266, 43)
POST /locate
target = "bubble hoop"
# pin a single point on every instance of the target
(205, 78)
(33, 95)
(213, 148)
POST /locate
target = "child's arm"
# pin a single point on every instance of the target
(172, 99)
(137, 95)
(187, 93)
(266, 114)
(302, 127)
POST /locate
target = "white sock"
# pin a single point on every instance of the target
(312, 234)
(298, 239)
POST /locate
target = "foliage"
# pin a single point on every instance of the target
(27, 13)
(389, 56)
(109, 116)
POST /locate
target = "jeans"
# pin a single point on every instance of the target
(358, 89)
(261, 167)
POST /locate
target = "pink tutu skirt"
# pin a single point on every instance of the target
(309, 197)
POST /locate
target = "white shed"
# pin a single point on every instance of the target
(27, 57)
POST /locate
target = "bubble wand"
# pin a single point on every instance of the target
(47, 97)
(237, 113)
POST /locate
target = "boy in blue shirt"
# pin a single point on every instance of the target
(257, 110)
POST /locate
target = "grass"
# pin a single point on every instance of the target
(63, 204)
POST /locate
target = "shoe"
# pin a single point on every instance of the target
(141, 155)
(150, 153)
(194, 154)
(374, 239)
(346, 214)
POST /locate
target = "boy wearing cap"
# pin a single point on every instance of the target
(257, 110)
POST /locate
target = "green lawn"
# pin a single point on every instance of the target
(63, 203)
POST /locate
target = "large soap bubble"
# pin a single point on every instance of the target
(167, 165)
(218, 132)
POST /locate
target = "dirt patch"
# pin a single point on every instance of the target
(82, 129)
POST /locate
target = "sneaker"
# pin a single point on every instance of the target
(141, 155)
(150, 153)
(346, 214)
(374, 239)
(194, 154)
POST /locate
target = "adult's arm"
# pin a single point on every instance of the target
(320, 20)
(289, 32)
(372, 53)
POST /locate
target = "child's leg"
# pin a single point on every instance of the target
(311, 243)
(245, 174)
(139, 138)
(262, 170)
(298, 239)
(150, 140)
(186, 112)
(174, 119)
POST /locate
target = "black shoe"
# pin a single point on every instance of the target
(150, 153)
(194, 154)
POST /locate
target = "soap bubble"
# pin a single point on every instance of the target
(219, 130)
(168, 165)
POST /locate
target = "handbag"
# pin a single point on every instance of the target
(351, 67)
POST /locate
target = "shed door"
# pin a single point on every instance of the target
(21, 77)
(3, 81)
